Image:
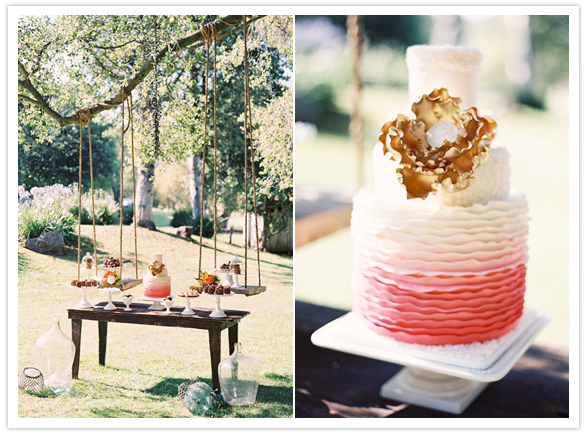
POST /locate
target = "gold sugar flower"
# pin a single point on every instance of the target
(441, 148)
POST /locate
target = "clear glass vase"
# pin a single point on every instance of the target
(239, 378)
(53, 353)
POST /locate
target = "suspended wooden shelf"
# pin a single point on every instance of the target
(125, 284)
(250, 290)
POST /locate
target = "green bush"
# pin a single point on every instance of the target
(86, 217)
(34, 222)
(184, 217)
(44, 209)
(127, 215)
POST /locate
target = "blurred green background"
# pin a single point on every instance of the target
(523, 83)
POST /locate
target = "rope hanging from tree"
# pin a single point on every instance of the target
(207, 34)
(85, 116)
(249, 130)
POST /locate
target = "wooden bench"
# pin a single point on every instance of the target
(141, 315)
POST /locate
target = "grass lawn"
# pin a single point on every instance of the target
(145, 364)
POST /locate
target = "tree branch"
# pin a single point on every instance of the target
(139, 77)
(38, 98)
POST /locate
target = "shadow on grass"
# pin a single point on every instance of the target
(238, 250)
(125, 413)
(23, 263)
(272, 401)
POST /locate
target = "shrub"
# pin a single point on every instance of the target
(184, 217)
(44, 209)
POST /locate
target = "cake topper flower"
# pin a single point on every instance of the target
(156, 267)
(441, 148)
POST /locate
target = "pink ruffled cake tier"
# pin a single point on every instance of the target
(445, 314)
(157, 288)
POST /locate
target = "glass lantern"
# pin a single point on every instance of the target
(53, 354)
(239, 378)
(88, 263)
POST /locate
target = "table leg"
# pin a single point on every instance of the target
(214, 339)
(102, 333)
(76, 337)
(232, 338)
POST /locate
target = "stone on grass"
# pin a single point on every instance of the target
(49, 243)
(185, 231)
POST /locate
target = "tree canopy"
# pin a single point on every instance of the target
(70, 62)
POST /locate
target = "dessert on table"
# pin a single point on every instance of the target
(156, 281)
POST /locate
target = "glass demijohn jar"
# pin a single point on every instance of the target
(53, 354)
(239, 378)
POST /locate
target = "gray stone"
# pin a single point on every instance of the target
(50, 243)
(185, 231)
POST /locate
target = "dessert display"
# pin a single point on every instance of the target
(192, 292)
(127, 297)
(111, 263)
(440, 246)
(156, 282)
(84, 283)
(236, 268)
(225, 267)
(88, 261)
(216, 289)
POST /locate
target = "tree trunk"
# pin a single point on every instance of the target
(195, 167)
(144, 209)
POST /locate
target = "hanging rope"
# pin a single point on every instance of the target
(84, 117)
(206, 32)
(246, 145)
(122, 131)
(254, 183)
(134, 191)
(249, 127)
(126, 98)
(215, 147)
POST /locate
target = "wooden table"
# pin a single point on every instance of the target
(141, 315)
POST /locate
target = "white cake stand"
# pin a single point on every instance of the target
(156, 305)
(236, 283)
(84, 303)
(445, 378)
(227, 277)
(218, 313)
(109, 291)
(188, 310)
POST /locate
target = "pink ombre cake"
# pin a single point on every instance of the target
(156, 282)
(450, 267)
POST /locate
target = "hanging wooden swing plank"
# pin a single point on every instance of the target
(250, 290)
(125, 284)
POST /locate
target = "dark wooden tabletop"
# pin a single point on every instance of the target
(336, 384)
(141, 314)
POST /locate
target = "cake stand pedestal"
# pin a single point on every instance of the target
(227, 277)
(84, 303)
(218, 313)
(156, 305)
(445, 378)
(109, 291)
(187, 310)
